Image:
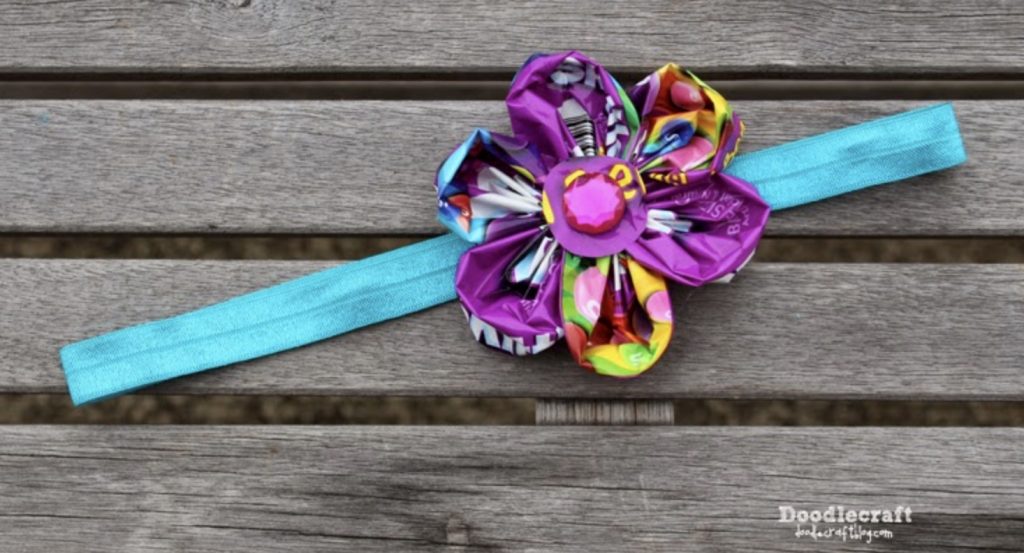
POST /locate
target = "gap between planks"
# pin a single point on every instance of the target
(264, 88)
(806, 249)
(270, 409)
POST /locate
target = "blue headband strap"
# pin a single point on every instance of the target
(877, 152)
(292, 314)
(386, 286)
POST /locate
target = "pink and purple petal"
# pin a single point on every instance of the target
(616, 314)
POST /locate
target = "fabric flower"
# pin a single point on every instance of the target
(599, 197)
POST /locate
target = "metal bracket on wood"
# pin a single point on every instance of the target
(605, 412)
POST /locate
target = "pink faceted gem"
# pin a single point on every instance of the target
(593, 204)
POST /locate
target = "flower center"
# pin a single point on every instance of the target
(593, 203)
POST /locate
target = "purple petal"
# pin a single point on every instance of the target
(565, 103)
(725, 219)
(510, 314)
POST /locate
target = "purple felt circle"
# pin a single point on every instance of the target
(614, 239)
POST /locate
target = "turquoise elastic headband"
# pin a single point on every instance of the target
(877, 152)
(403, 281)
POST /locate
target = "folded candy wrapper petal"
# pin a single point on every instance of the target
(503, 318)
(617, 314)
(533, 105)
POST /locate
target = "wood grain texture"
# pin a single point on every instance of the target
(779, 330)
(368, 167)
(470, 36)
(626, 412)
(567, 489)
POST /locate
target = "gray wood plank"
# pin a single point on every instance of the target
(568, 489)
(778, 331)
(747, 37)
(624, 412)
(368, 167)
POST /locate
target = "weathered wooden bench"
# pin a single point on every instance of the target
(364, 167)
